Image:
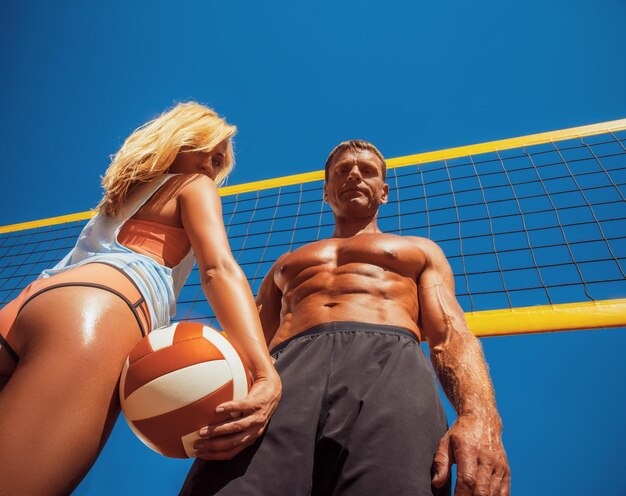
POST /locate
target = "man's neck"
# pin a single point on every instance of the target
(346, 228)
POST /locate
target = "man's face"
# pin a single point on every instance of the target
(355, 185)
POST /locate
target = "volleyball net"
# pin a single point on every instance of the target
(534, 228)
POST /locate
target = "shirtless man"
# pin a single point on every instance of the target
(360, 413)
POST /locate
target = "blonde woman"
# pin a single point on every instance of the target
(64, 339)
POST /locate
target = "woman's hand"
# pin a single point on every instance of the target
(225, 440)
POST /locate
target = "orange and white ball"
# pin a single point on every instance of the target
(172, 382)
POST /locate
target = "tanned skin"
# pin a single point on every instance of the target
(59, 404)
(362, 274)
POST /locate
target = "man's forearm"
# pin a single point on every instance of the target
(474, 441)
(462, 371)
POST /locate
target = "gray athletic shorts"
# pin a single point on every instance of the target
(360, 415)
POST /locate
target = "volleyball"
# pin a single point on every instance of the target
(172, 382)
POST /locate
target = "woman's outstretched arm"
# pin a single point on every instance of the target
(229, 294)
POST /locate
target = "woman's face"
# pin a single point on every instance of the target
(207, 163)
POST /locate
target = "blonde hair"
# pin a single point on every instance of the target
(150, 150)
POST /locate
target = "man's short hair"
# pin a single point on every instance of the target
(355, 145)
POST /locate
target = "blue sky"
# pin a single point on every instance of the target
(296, 78)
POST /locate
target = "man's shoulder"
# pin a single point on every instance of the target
(427, 246)
(413, 247)
(406, 240)
(425, 243)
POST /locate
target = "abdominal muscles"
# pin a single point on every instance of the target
(362, 293)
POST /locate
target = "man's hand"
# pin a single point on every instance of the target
(474, 444)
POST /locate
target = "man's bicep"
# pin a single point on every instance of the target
(268, 302)
(268, 297)
(440, 312)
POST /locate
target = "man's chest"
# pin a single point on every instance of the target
(366, 254)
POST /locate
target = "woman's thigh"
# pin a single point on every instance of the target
(7, 366)
(60, 403)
